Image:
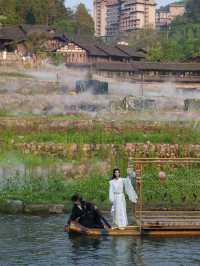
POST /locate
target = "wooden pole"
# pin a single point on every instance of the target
(141, 200)
(139, 192)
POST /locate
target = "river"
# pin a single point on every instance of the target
(35, 241)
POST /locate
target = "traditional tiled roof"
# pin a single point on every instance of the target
(95, 48)
(112, 50)
(131, 52)
(148, 66)
(21, 32)
(89, 46)
(12, 33)
(166, 66)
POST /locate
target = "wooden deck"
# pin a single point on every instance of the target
(169, 219)
(169, 223)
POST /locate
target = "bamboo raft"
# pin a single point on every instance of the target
(128, 231)
(154, 224)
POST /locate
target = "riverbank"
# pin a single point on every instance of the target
(44, 161)
(51, 195)
(19, 207)
(48, 153)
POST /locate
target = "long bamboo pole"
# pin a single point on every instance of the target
(139, 192)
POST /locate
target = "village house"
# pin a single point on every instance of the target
(76, 51)
(14, 38)
(88, 52)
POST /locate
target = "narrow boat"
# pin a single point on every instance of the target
(127, 231)
(134, 230)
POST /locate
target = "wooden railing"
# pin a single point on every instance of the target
(138, 164)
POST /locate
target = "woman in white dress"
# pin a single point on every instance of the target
(117, 197)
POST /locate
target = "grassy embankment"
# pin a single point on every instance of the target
(56, 186)
(181, 188)
(162, 133)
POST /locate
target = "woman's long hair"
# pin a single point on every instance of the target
(114, 170)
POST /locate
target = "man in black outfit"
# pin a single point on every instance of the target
(86, 214)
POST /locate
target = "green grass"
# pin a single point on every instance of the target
(38, 117)
(4, 113)
(58, 190)
(180, 190)
(169, 135)
(15, 75)
(13, 157)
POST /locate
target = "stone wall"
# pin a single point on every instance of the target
(139, 150)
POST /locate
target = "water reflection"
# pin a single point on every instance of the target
(78, 242)
(109, 250)
(127, 250)
(33, 241)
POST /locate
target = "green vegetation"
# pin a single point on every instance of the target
(179, 42)
(180, 190)
(13, 157)
(58, 190)
(53, 185)
(47, 12)
(15, 75)
(163, 134)
(30, 116)
(57, 58)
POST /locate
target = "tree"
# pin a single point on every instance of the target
(8, 12)
(193, 10)
(66, 25)
(37, 42)
(41, 12)
(27, 11)
(56, 11)
(3, 19)
(47, 12)
(84, 21)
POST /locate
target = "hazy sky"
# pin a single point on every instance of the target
(88, 3)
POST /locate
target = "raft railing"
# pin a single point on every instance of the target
(139, 163)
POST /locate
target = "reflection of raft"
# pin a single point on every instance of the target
(128, 231)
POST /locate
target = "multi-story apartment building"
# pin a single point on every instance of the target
(165, 15)
(137, 14)
(100, 17)
(114, 16)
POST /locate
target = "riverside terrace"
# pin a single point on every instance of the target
(149, 71)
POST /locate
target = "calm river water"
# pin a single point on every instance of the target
(35, 241)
